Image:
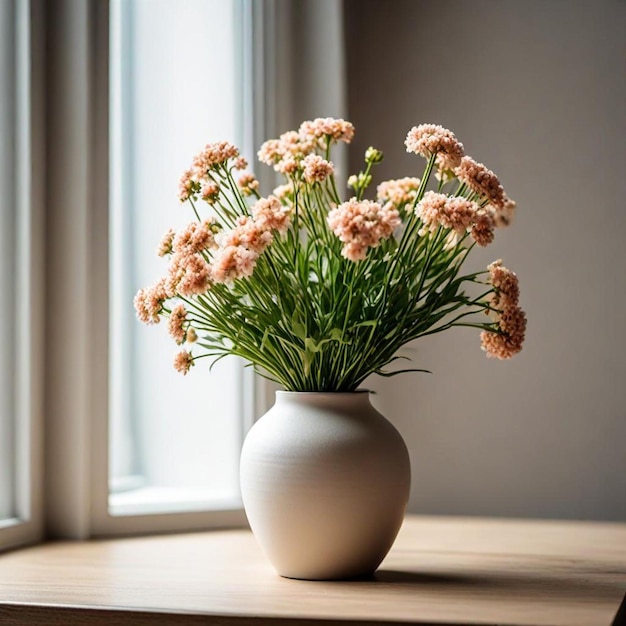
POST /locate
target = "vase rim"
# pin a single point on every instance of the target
(282, 392)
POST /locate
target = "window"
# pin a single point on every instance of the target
(174, 441)
(20, 356)
(90, 146)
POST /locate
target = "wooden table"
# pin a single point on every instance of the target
(440, 571)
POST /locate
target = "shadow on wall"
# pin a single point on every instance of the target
(536, 91)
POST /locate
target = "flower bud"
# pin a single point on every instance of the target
(372, 155)
(364, 179)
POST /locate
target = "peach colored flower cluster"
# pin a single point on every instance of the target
(458, 214)
(165, 245)
(316, 169)
(248, 184)
(481, 180)
(149, 302)
(286, 152)
(242, 246)
(250, 234)
(505, 214)
(270, 214)
(209, 191)
(202, 258)
(429, 139)
(195, 237)
(284, 192)
(188, 275)
(183, 361)
(482, 228)
(322, 127)
(187, 186)
(234, 262)
(510, 317)
(361, 225)
(399, 192)
(177, 323)
(214, 154)
(197, 179)
(505, 284)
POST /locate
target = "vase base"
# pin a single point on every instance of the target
(356, 577)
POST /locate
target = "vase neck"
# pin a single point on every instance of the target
(321, 399)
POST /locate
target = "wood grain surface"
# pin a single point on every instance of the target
(440, 571)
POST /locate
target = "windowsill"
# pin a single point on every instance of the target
(149, 500)
(441, 570)
(7, 522)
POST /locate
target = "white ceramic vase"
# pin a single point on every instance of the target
(325, 482)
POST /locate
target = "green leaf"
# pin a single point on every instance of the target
(396, 372)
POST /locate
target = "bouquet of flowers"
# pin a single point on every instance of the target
(317, 292)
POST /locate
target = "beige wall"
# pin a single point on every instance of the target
(536, 90)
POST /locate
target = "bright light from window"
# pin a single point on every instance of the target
(175, 85)
(8, 229)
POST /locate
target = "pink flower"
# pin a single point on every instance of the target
(481, 181)
(504, 215)
(195, 237)
(509, 341)
(399, 192)
(284, 192)
(286, 153)
(187, 186)
(316, 169)
(188, 275)
(510, 318)
(250, 235)
(437, 209)
(240, 163)
(149, 302)
(196, 279)
(183, 361)
(248, 184)
(429, 139)
(209, 191)
(505, 284)
(213, 155)
(232, 263)
(270, 152)
(457, 214)
(288, 165)
(270, 214)
(361, 225)
(165, 246)
(482, 228)
(196, 179)
(177, 323)
(336, 129)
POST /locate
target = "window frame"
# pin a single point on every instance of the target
(28, 197)
(101, 521)
(132, 491)
(64, 374)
